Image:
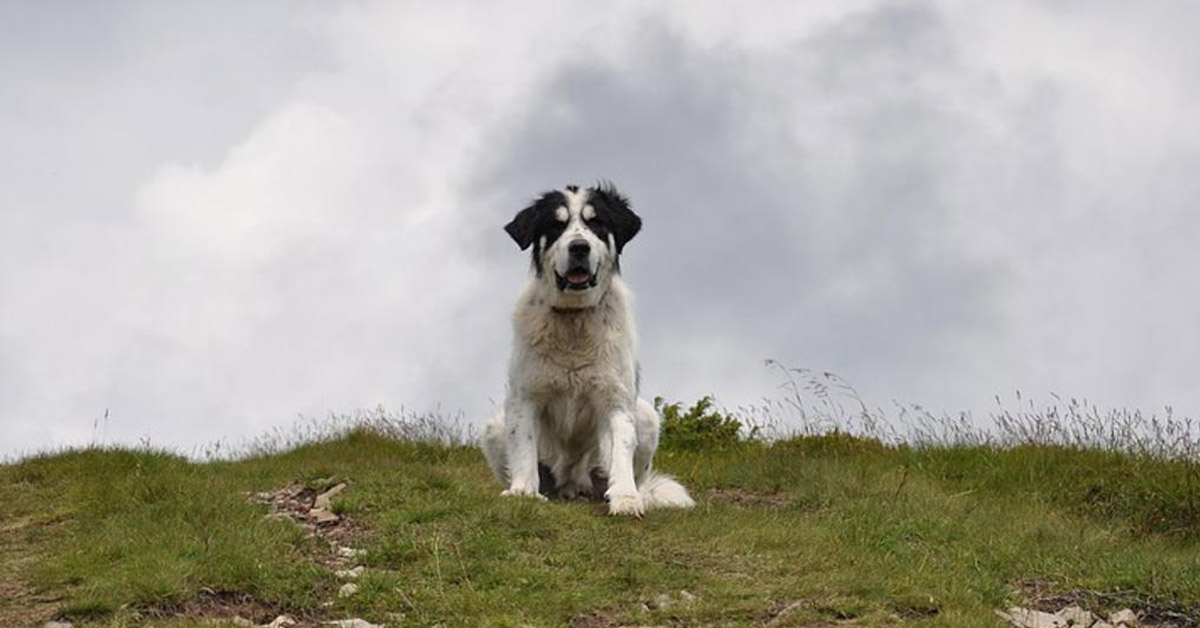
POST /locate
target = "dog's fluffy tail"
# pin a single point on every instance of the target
(662, 491)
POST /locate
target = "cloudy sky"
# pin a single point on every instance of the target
(217, 217)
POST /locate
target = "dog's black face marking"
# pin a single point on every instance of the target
(612, 215)
(538, 223)
(609, 218)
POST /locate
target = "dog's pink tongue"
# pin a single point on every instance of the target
(577, 276)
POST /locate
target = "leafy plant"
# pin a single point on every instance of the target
(700, 427)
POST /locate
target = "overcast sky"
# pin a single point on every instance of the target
(217, 217)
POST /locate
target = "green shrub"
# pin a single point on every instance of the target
(699, 427)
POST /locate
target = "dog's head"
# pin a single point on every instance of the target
(577, 237)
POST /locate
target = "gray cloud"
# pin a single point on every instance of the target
(220, 217)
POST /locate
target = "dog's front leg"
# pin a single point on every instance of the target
(521, 430)
(622, 494)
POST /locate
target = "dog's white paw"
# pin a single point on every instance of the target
(522, 492)
(630, 504)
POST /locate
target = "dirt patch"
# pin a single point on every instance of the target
(20, 604)
(218, 605)
(792, 613)
(593, 620)
(745, 498)
(310, 509)
(1047, 597)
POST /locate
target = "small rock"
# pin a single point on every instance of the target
(349, 574)
(1076, 616)
(687, 597)
(350, 552)
(58, 624)
(1027, 618)
(348, 589)
(322, 502)
(241, 621)
(1126, 618)
(320, 515)
(280, 622)
(782, 616)
(663, 601)
(353, 623)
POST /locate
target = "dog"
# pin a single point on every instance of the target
(573, 425)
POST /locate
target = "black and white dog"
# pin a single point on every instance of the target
(573, 425)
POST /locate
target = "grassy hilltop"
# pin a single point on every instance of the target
(816, 530)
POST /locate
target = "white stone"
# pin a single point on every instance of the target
(323, 500)
(349, 574)
(1076, 616)
(320, 515)
(350, 552)
(280, 622)
(687, 597)
(348, 589)
(1126, 618)
(1028, 618)
(353, 623)
(58, 624)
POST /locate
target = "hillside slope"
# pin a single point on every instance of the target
(805, 532)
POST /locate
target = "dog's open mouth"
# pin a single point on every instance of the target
(576, 279)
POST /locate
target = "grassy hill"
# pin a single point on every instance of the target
(818, 530)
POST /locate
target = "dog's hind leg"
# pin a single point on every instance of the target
(578, 480)
(495, 446)
(646, 425)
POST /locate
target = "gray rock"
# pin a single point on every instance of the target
(348, 589)
(58, 624)
(280, 622)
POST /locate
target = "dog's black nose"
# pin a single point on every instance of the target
(578, 248)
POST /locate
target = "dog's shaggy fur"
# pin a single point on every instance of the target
(573, 425)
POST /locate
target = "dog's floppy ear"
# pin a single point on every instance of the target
(523, 227)
(624, 223)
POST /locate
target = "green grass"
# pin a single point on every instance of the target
(832, 528)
